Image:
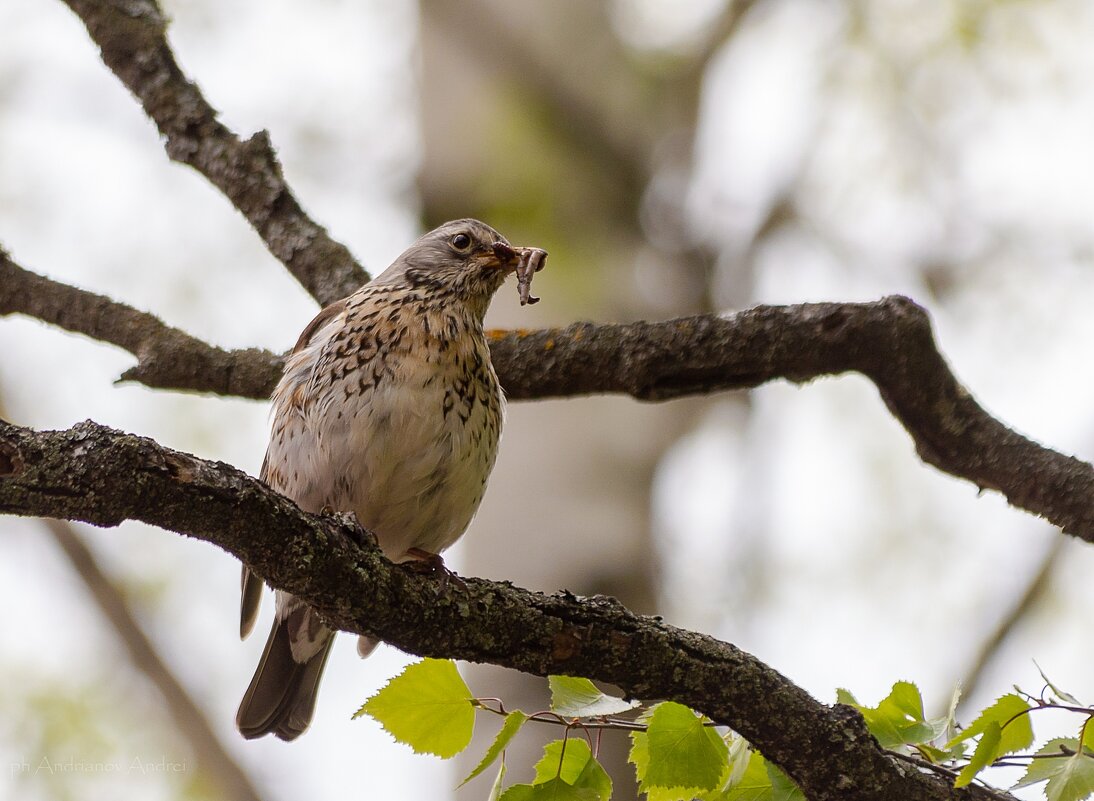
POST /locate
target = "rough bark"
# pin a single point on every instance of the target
(167, 357)
(104, 477)
(889, 341)
(132, 35)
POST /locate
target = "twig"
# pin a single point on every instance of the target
(555, 719)
(1033, 592)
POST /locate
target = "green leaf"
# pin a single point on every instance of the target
(594, 777)
(1070, 777)
(565, 763)
(677, 752)
(640, 758)
(513, 721)
(1074, 782)
(1016, 732)
(734, 769)
(427, 706)
(669, 794)
(1066, 697)
(495, 789)
(1086, 732)
(949, 731)
(987, 751)
(554, 790)
(740, 756)
(574, 764)
(898, 720)
(932, 754)
(845, 697)
(755, 783)
(579, 698)
(782, 788)
(1040, 770)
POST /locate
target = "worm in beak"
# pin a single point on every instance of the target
(506, 256)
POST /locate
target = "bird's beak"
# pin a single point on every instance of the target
(506, 256)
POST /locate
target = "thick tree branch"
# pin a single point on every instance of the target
(132, 37)
(101, 476)
(167, 357)
(889, 341)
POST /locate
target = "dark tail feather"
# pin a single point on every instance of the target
(250, 597)
(281, 698)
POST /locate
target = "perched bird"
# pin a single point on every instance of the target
(389, 408)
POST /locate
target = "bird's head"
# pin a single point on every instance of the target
(465, 260)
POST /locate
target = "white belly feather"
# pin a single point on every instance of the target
(413, 473)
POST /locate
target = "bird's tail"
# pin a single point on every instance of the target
(281, 697)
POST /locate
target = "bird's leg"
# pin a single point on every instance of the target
(432, 563)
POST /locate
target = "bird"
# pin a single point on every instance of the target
(389, 408)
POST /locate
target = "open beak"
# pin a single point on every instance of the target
(506, 256)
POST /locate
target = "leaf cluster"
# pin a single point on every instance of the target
(677, 754)
(997, 737)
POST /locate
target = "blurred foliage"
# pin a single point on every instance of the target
(92, 737)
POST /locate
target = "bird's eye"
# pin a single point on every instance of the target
(461, 241)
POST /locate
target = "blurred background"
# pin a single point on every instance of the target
(675, 158)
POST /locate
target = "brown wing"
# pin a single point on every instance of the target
(250, 587)
(250, 584)
(326, 314)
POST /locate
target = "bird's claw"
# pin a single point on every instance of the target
(424, 562)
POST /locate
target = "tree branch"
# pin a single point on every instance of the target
(101, 476)
(167, 357)
(133, 40)
(889, 341)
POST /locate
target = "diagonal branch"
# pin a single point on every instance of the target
(101, 476)
(190, 720)
(167, 357)
(1034, 592)
(133, 39)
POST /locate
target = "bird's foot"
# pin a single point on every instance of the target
(432, 563)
